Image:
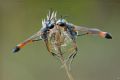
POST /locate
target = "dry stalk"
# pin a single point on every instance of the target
(57, 40)
(66, 68)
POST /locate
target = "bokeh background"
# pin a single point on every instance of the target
(98, 59)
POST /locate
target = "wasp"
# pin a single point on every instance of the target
(72, 31)
(57, 32)
(42, 34)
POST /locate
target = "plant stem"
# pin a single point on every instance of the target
(66, 69)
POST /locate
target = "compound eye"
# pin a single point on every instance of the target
(51, 26)
(61, 24)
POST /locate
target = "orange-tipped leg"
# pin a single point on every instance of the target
(105, 35)
(108, 36)
(16, 49)
(19, 46)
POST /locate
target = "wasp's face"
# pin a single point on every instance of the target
(49, 24)
(61, 22)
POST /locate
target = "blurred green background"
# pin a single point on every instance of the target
(98, 59)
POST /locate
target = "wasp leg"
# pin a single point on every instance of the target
(82, 34)
(18, 47)
(71, 59)
(73, 54)
(93, 31)
(36, 40)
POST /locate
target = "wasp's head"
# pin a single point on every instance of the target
(50, 21)
(61, 22)
(49, 24)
